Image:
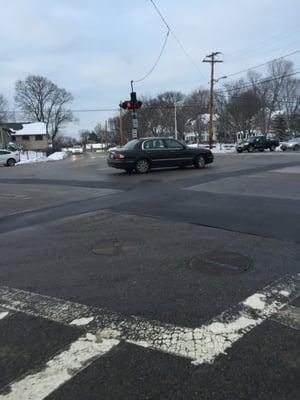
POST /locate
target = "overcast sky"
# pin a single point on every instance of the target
(93, 48)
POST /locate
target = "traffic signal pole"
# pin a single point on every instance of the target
(135, 122)
(133, 104)
(211, 59)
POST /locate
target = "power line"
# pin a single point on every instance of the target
(263, 64)
(258, 82)
(157, 61)
(262, 44)
(177, 40)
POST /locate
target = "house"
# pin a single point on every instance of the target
(6, 131)
(32, 136)
(198, 129)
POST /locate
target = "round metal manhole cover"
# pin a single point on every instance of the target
(221, 263)
(115, 247)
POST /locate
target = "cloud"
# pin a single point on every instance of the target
(94, 48)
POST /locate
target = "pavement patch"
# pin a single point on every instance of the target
(115, 247)
(217, 263)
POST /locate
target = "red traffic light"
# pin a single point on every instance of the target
(131, 105)
(127, 105)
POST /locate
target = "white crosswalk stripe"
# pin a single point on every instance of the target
(60, 369)
(104, 330)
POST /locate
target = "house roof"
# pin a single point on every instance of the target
(35, 128)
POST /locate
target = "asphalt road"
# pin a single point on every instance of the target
(178, 284)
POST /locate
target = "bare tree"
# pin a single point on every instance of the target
(3, 109)
(42, 100)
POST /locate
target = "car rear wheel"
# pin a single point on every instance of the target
(142, 166)
(10, 162)
(296, 147)
(239, 150)
(199, 162)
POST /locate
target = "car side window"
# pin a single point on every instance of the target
(173, 144)
(3, 152)
(154, 144)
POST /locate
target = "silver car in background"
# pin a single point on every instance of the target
(8, 157)
(292, 144)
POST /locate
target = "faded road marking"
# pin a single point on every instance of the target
(201, 345)
(289, 316)
(3, 314)
(82, 321)
(60, 369)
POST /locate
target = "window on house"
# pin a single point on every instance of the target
(25, 137)
(13, 138)
(38, 137)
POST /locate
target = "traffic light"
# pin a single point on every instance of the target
(132, 104)
(127, 105)
(138, 104)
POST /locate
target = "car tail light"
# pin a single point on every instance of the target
(119, 156)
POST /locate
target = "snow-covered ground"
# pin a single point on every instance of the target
(217, 148)
(28, 157)
(220, 148)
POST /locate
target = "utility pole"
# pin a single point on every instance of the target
(175, 115)
(121, 128)
(135, 123)
(211, 59)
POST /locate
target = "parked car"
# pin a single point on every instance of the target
(77, 149)
(8, 157)
(159, 152)
(292, 144)
(259, 143)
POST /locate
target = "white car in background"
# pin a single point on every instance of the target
(77, 149)
(292, 144)
(8, 157)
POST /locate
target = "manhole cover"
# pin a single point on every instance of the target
(115, 247)
(219, 263)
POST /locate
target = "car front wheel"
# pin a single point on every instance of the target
(142, 166)
(199, 162)
(10, 162)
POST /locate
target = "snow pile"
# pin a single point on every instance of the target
(58, 155)
(219, 148)
(28, 157)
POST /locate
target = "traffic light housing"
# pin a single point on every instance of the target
(138, 104)
(132, 104)
(127, 105)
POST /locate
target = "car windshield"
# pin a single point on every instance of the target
(131, 145)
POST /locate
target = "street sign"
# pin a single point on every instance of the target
(134, 133)
(135, 123)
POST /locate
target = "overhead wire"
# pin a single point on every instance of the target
(262, 44)
(156, 62)
(177, 39)
(263, 64)
(258, 82)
